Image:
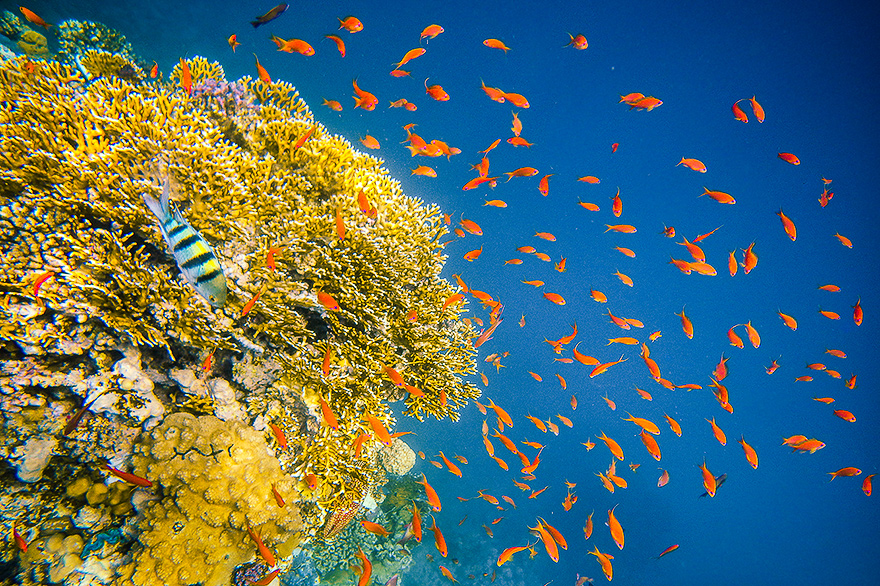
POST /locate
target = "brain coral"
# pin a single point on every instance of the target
(217, 478)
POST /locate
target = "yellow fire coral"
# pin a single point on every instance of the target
(78, 154)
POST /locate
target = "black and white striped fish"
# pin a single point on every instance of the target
(194, 256)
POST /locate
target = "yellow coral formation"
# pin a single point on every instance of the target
(75, 161)
(218, 477)
(99, 63)
(33, 43)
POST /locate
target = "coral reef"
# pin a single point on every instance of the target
(94, 312)
(218, 478)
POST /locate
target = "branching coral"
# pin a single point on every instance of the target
(77, 156)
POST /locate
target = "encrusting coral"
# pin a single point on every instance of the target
(86, 283)
(219, 480)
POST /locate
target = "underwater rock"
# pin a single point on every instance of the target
(33, 43)
(31, 459)
(398, 458)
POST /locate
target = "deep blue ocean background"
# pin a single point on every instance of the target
(813, 67)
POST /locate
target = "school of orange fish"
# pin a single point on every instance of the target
(498, 423)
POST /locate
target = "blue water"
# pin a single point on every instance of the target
(812, 66)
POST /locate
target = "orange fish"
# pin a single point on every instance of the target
(424, 171)
(604, 560)
(789, 321)
(867, 484)
(366, 568)
(719, 196)
(848, 471)
(579, 42)
(496, 44)
(381, 433)
(615, 527)
(332, 104)
(787, 225)
(645, 424)
(738, 113)
(340, 44)
(265, 552)
(754, 338)
(521, 172)
(452, 467)
(673, 425)
(845, 415)
(555, 298)
(279, 435)
(433, 499)
(370, 142)
(327, 301)
(612, 445)
(473, 254)
(623, 228)
(757, 109)
(128, 477)
(186, 77)
(858, 314)
(603, 367)
(686, 324)
(329, 416)
(351, 24)
(650, 444)
(363, 99)
(548, 541)
(409, 56)
(708, 480)
(544, 184)
(261, 71)
(436, 92)
(625, 279)
(375, 528)
(693, 164)
(32, 17)
(844, 240)
(789, 158)
(750, 259)
(294, 46)
(431, 31)
(439, 540)
(154, 70)
(588, 526)
(751, 454)
(589, 179)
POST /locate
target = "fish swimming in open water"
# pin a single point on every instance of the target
(192, 253)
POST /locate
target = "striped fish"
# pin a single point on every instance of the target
(193, 255)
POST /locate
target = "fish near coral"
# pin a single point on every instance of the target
(33, 17)
(193, 254)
